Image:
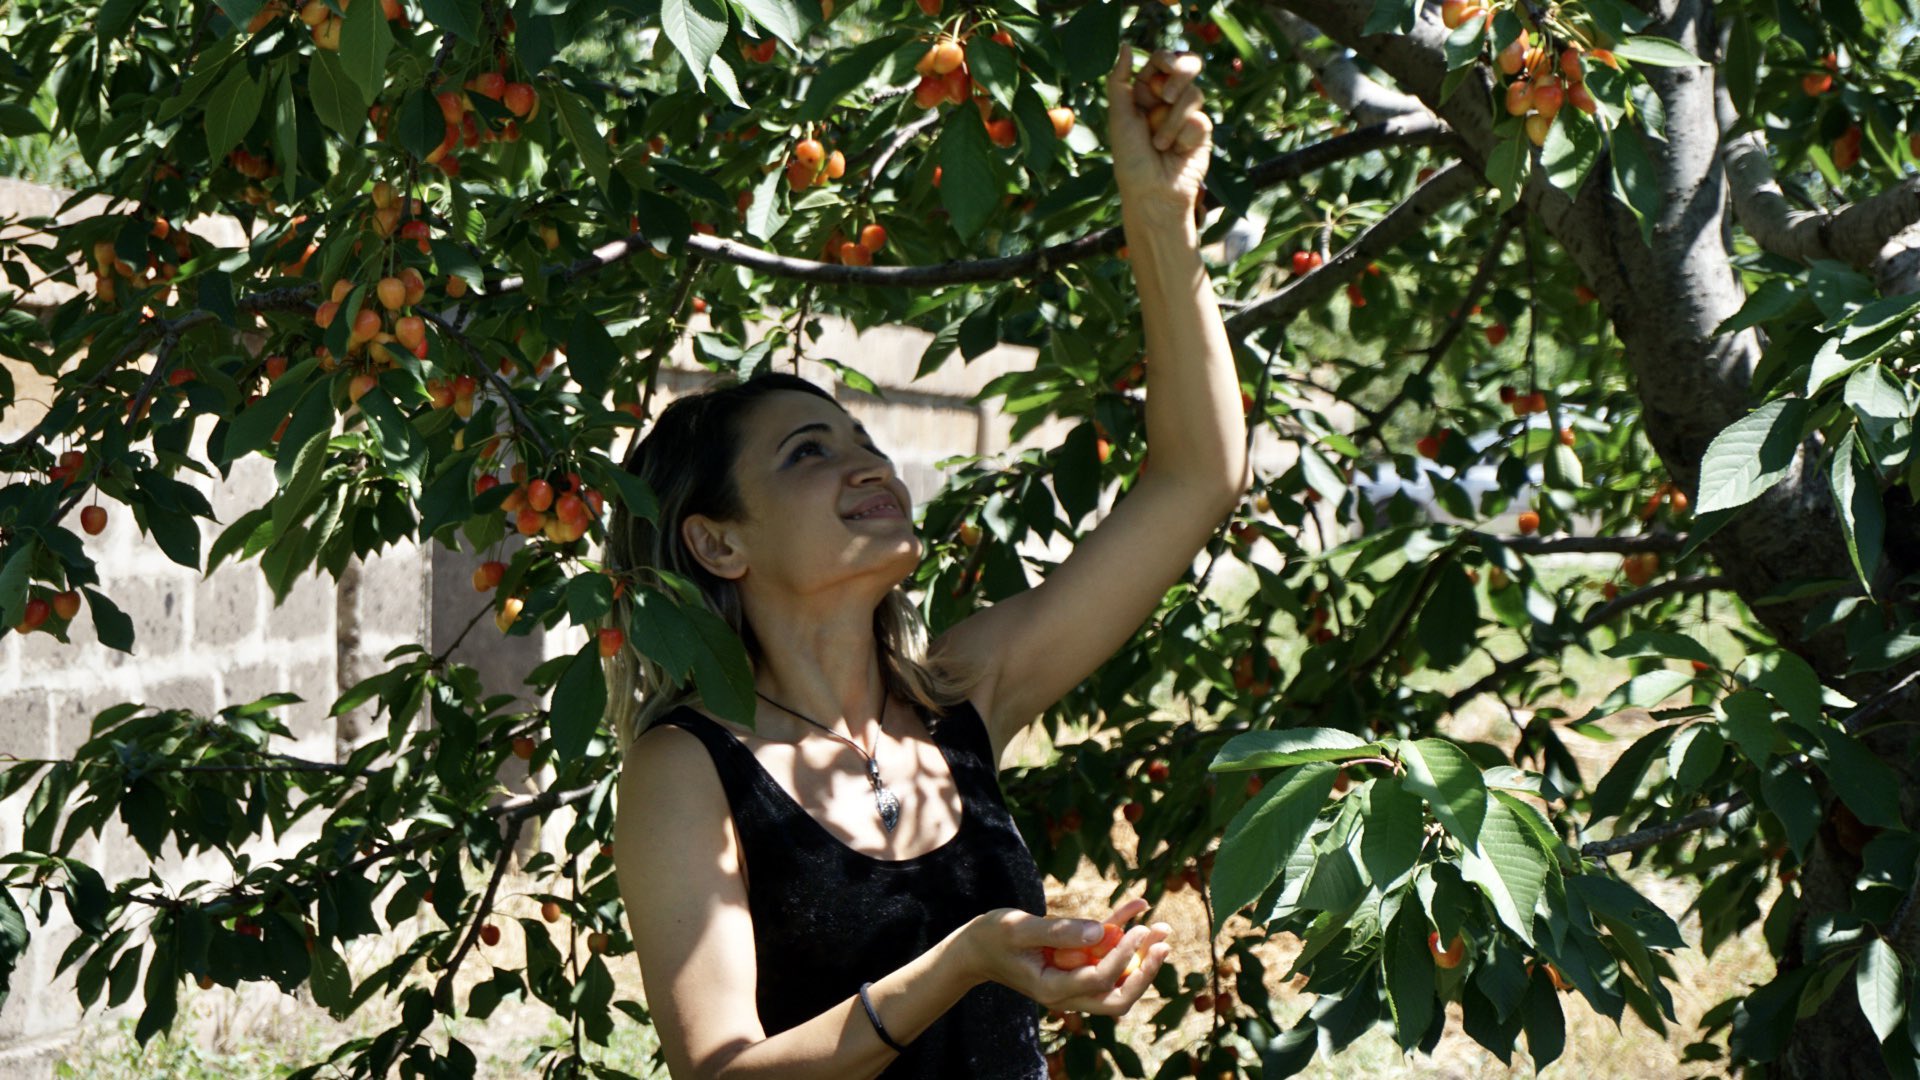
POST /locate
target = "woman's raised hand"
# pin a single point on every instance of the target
(1014, 948)
(1160, 136)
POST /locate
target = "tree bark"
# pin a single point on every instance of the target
(1665, 302)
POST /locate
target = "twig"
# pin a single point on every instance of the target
(1703, 818)
(1615, 545)
(443, 992)
(1482, 278)
(520, 418)
(1601, 614)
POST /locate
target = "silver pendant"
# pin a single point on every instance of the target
(883, 797)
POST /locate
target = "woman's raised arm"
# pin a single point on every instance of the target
(1039, 644)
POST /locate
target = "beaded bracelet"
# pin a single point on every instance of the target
(878, 1028)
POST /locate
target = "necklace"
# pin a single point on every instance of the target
(883, 797)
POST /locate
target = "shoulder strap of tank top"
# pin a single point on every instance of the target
(731, 758)
(964, 735)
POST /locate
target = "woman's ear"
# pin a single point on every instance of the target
(713, 546)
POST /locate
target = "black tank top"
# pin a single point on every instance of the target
(827, 918)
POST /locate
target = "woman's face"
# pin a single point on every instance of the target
(805, 470)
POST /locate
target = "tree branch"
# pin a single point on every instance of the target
(520, 418)
(1597, 617)
(443, 991)
(1367, 101)
(1855, 234)
(1401, 132)
(1704, 818)
(1482, 277)
(1452, 184)
(1589, 545)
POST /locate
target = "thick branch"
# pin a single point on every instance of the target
(1367, 101)
(1855, 234)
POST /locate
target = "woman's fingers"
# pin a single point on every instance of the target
(1174, 125)
(1180, 68)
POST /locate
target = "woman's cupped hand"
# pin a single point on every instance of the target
(1031, 953)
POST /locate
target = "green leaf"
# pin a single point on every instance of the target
(17, 120)
(1657, 51)
(1616, 789)
(592, 354)
(1265, 832)
(851, 70)
(1635, 180)
(232, 110)
(1449, 621)
(286, 130)
(419, 127)
(1748, 722)
(15, 576)
(1508, 867)
(1790, 795)
(1624, 903)
(1572, 146)
(1868, 785)
(1694, 754)
(720, 667)
(1409, 976)
(696, 28)
(1877, 981)
(1643, 691)
(309, 464)
(589, 597)
(1396, 830)
(461, 17)
(579, 703)
(1292, 746)
(365, 42)
(1674, 646)
(1091, 41)
(1752, 455)
(1544, 1022)
(969, 183)
(336, 98)
(1442, 774)
(176, 534)
(1857, 496)
(992, 66)
(781, 18)
(110, 625)
(332, 986)
(584, 134)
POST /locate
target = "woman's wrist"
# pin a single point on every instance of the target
(1171, 227)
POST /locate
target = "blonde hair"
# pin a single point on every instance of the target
(687, 460)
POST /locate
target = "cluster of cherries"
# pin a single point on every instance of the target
(561, 508)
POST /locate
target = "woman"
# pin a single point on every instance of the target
(839, 891)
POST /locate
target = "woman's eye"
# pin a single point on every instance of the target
(803, 448)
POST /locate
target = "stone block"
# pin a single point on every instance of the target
(250, 484)
(73, 711)
(157, 607)
(250, 682)
(393, 595)
(194, 693)
(312, 677)
(24, 722)
(307, 611)
(226, 606)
